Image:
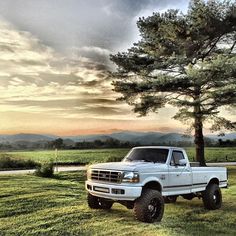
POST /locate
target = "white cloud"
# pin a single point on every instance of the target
(32, 73)
(98, 50)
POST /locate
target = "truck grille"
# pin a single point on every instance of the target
(106, 176)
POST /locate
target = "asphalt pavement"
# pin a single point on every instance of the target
(57, 169)
(79, 168)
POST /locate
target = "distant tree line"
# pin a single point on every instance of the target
(108, 143)
(111, 143)
(227, 143)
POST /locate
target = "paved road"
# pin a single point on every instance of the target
(61, 168)
(79, 168)
(222, 164)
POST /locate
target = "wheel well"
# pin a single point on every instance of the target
(214, 181)
(153, 185)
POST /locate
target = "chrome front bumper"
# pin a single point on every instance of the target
(114, 192)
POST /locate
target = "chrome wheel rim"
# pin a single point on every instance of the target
(153, 208)
(216, 197)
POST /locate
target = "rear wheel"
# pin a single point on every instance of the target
(170, 199)
(149, 207)
(98, 203)
(212, 198)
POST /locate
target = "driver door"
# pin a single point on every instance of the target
(180, 177)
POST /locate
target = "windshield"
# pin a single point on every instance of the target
(147, 155)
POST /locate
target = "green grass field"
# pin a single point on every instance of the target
(104, 155)
(31, 205)
(71, 156)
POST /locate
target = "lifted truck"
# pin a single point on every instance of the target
(148, 177)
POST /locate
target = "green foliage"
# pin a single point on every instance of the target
(7, 162)
(58, 206)
(45, 170)
(57, 143)
(108, 143)
(187, 61)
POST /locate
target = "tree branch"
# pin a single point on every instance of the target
(232, 48)
(212, 47)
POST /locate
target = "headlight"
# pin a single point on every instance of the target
(132, 177)
(89, 173)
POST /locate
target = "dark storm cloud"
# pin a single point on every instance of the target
(92, 106)
(30, 63)
(101, 110)
(61, 79)
(96, 54)
(91, 83)
(6, 47)
(130, 8)
(86, 103)
(64, 24)
(43, 79)
(57, 103)
(93, 66)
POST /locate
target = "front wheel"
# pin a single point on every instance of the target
(149, 207)
(98, 203)
(212, 198)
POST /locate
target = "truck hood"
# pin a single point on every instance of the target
(127, 166)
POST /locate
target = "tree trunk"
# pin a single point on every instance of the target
(199, 141)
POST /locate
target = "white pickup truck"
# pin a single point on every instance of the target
(148, 177)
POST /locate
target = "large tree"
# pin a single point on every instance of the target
(186, 60)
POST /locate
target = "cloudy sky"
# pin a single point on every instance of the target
(54, 58)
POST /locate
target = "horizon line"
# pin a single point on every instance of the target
(104, 133)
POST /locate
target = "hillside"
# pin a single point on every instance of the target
(24, 140)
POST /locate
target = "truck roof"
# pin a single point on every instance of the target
(158, 147)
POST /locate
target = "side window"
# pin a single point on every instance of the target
(176, 156)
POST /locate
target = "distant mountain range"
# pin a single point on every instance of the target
(144, 138)
(26, 137)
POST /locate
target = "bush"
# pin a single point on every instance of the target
(8, 163)
(45, 170)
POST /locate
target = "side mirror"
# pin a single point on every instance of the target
(183, 162)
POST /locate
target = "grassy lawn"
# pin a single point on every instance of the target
(215, 154)
(31, 205)
(104, 155)
(71, 156)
